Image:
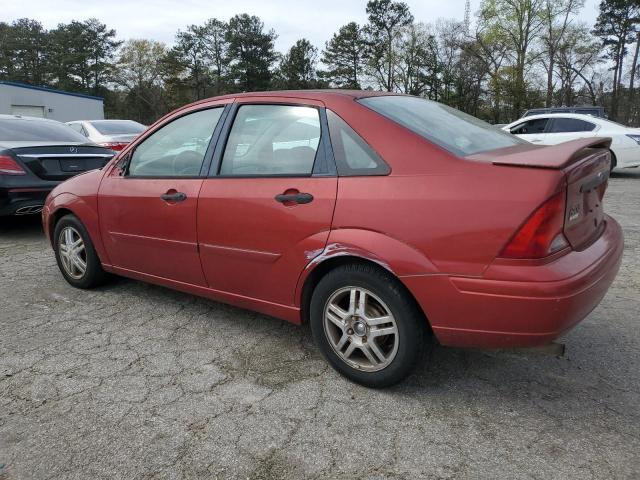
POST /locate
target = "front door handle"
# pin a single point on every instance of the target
(172, 196)
(291, 198)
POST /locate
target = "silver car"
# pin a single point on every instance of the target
(113, 134)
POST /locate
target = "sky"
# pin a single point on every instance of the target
(291, 19)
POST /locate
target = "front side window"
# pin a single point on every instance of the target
(272, 140)
(457, 132)
(532, 127)
(566, 125)
(178, 148)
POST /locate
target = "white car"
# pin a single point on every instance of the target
(553, 128)
(113, 134)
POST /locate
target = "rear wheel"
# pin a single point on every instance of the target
(366, 325)
(75, 254)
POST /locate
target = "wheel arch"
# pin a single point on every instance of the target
(323, 267)
(67, 203)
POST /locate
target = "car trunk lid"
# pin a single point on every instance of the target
(59, 162)
(585, 164)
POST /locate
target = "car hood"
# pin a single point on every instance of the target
(41, 143)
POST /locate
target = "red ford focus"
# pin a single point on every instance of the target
(380, 219)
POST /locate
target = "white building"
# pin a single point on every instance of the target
(22, 99)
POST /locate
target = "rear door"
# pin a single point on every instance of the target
(563, 129)
(266, 211)
(148, 206)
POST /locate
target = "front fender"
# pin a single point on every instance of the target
(85, 208)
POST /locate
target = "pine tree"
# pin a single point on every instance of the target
(344, 57)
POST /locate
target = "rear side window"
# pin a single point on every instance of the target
(447, 127)
(352, 154)
(589, 111)
(272, 140)
(118, 127)
(564, 125)
(532, 127)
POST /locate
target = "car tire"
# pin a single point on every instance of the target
(74, 250)
(614, 161)
(337, 322)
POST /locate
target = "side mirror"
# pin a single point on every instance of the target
(122, 166)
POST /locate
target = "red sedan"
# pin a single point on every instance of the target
(380, 219)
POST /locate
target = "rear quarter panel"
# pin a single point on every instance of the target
(457, 213)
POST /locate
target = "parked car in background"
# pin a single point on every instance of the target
(380, 219)
(113, 134)
(586, 110)
(35, 156)
(551, 129)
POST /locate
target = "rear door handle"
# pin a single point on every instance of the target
(294, 198)
(173, 196)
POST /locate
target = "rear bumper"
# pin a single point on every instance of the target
(22, 200)
(520, 305)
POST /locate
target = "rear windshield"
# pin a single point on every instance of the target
(15, 130)
(447, 127)
(118, 127)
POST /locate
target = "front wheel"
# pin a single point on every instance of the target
(367, 325)
(75, 254)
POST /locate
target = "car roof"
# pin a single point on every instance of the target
(579, 116)
(321, 95)
(26, 118)
(317, 94)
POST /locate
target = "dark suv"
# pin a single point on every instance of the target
(588, 110)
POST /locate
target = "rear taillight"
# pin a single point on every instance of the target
(116, 146)
(542, 234)
(8, 166)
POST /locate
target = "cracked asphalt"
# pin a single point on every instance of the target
(137, 381)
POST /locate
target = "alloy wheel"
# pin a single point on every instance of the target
(73, 254)
(361, 329)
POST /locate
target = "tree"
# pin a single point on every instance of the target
(139, 70)
(417, 67)
(634, 70)
(23, 51)
(82, 54)
(616, 25)
(216, 49)
(344, 57)
(556, 16)
(386, 20)
(518, 23)
(250, 53)
(578, 53)
(491, 50)
(190, 53)
(298, 66)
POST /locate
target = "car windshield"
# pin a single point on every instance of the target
(118, 127)
(22, 130)
(447, 127)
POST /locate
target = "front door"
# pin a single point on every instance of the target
(148, 209)
(532, 130)
(267, 213)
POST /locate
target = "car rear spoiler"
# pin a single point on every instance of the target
(552, 156)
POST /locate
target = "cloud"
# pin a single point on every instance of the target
(161, 19)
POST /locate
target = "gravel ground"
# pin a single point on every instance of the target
(137, 381)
